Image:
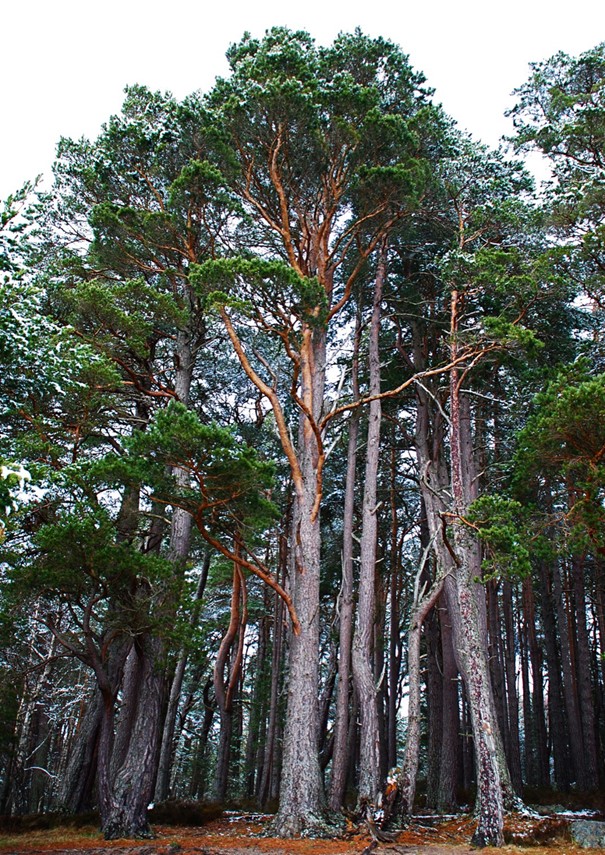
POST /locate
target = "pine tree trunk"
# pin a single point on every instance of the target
(302, 799)
(450, 741)
(340, 756)
(407, 779)
(370, 782)
(556, 704)
(395, 646)
(79, 777)
(512, 699)
(270, 772)
(124, 813)
(542, 773)
(301, 793)
(584, 678)
(572, 707)
(162, 787)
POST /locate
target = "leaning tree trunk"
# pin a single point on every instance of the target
(464, 595)
(77, 784)
(370, 783)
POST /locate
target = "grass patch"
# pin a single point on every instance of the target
(50, 838)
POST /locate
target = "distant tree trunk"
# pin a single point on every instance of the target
(584, 677)
(542, 773)
(198, 776)
(423, 603)
(162, 787)
(558, 729)
(257, 722)
(269, 779)
(28, 734)
(496, 664)
(370, 782)
(512, 698)
(450, 740)
(231, 648)
(395, 646)
(572, 708)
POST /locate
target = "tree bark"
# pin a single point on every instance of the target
(370, 781)
(162, 787)
(450, 741)
(423, 603)
(340, 755)
(125, 812)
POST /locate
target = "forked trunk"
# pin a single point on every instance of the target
(124, 808)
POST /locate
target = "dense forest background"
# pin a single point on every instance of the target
(302, 476)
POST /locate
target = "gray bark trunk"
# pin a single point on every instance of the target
(370, 782)
(569, 689)
(78, 781)
(407, 780)
(340, 756)
(450, 742)
(162, 787)
(125, 814)
(302, 799)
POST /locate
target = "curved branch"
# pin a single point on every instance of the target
(257, 569)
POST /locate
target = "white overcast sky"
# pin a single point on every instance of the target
(65, 62)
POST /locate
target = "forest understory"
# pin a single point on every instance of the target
(237, 833)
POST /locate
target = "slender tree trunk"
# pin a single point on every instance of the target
(340, 756)
(162, 787)
(584, 679)
(423, 603)
(512, 698)
(28, 730)
(569, 689)
(395, 646)
(556, 703)
(79, 777)
(450, 741)
(537, 694)
(270, 773)
(231, 647)
(198, 772)
(370, 781)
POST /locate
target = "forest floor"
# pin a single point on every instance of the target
(233, 834)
